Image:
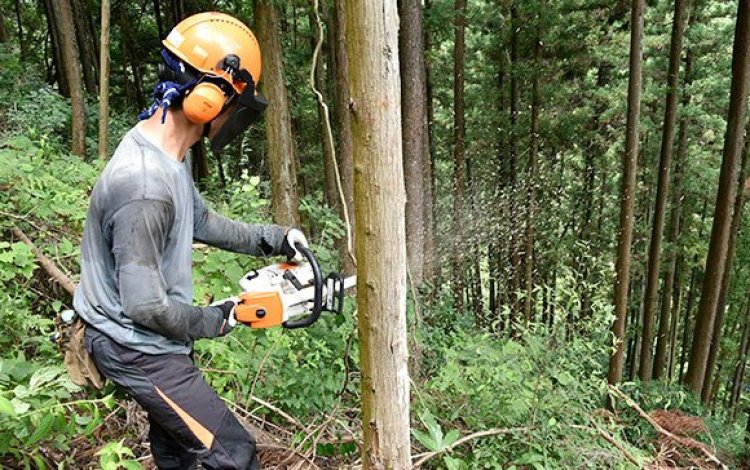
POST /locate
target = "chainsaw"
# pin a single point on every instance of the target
(291, 294)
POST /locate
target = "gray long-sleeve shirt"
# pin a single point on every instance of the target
(136, 256)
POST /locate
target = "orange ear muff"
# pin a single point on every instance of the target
(203, 103)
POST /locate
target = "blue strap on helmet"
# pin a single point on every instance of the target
(167, 91)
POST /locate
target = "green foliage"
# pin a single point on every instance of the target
(116, 455)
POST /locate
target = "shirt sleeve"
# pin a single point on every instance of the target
(139, 234)
(221, 232)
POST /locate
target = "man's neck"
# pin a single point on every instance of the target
(175, 136)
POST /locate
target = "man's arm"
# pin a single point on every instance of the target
(221, 232)
(139, 234)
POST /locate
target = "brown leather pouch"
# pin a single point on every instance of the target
(78, 361)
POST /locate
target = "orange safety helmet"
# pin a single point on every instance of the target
(216, 45)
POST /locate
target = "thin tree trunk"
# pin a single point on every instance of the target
(104, 81)
(372, 41)
(432, 260)
(157, 17)
(513, 254)
(630, 165)
(691, 298)
(533, 174)
(57, 57)
(726, 276)
(675, 222)
(85, 45)
(459, 158)
(279, 139)
(739, 368)
(73, 76)
(414, 119)
(19, 25)
(724, 199)
(344, 131)
(3, 33)
(676, 303)
(200, 162)
(662, 191)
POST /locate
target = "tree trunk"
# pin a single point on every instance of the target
(19, 24)
(3, 33)
(459, 158)
(691, 298)
(533, 174)
(726, 281)
(724, 199)
(157, 18)
(676, 303)
(57, 54)
(85, 45)
(513, 249)
(414, 120)
(662, 190)
(279, 139)
(739, 368)
(73, 76)
(199, 162)
(104, 81)
(344, 130)
(372, 41)
(630, 164)
(432, 259)
(675, 222)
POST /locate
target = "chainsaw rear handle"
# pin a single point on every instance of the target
(317, 299)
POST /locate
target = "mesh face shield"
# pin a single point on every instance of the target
(249, 108)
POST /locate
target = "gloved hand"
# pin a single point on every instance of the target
(288, 247)
(227, 307)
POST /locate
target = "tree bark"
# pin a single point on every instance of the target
(432, 260)
(459, 159)
(3, 33)
(104, 81)
(157, 18)
(739, 368)
(372, 33)
(691, 298)
(630, 164)
(513, 249)
(279, 139)
(85, 45)
(19, 24)
(724, 199)
(662, 190)
(344, 130)
(675, 221)
(533, 174)
(726, 281)
(57, 55)
(73, 76)
(414, 123)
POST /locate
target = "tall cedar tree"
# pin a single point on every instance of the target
(459, 158)
(630, 164)
(104, 80)
(64, 19)
(662, 190)
(513, 249)
(740, 364)
(533, 173)
(672, 283)
(279, 139)
(721, 304)
(372, 33)
(717, 249)
(344, 129)
(3, 33)
(414, 113)
(432, 264)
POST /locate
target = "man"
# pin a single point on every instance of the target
(135, 293)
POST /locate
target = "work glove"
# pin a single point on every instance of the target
(288, 247)
(227, 307)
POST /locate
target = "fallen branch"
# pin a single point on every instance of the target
(489, 432)
(689, 443)
(611, 439)
(47, 264)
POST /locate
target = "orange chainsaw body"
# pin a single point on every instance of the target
(260, 309)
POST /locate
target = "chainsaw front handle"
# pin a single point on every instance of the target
(317, 308)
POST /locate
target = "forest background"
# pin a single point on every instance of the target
(519, 178)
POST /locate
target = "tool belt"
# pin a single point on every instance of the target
(70, 340)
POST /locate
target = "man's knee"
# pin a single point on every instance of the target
(233, 446)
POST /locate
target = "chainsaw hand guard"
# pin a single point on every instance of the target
(318, 285)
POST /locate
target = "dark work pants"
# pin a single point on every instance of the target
(188, 421)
